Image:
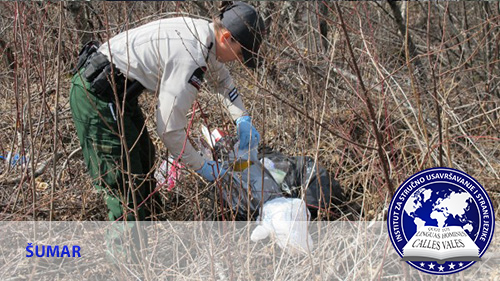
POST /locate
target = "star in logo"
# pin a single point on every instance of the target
(431, 266)
(461, 264)
(452, 266)
(441, 268)
(422, 264)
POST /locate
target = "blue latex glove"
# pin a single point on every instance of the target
(209, 170)
(244, 127)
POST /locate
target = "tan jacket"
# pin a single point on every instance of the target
(171, 57)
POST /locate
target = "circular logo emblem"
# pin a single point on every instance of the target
(441, 221)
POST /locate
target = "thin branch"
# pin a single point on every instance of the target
(56, 114)
(371, 111)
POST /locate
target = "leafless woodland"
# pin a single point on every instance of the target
(374, 91)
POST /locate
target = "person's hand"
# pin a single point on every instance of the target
(211, 170)
(247, 133)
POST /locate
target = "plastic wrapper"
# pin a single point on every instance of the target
(286, 221)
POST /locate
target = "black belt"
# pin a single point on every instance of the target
(100, 73)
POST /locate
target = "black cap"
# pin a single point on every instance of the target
(246, 27)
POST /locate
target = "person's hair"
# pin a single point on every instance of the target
(218, 25)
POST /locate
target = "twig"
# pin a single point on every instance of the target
(56, 115)
(325, 126)
(371, 111)
(434, 89)
(73, 153)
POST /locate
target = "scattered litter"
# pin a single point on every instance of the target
(214, 137)
(277, 174)
(16, 159)
(40, 185)
(170, 177)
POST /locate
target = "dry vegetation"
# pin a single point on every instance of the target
(375, 91)
(222, 251)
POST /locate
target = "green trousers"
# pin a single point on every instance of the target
(126, 183)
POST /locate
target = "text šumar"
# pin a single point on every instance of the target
(53, 251)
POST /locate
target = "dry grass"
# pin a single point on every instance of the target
(223, 251)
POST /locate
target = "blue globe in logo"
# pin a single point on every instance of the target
(442, 205)
(441, 198)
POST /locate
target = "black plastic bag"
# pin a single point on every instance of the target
(306, 178)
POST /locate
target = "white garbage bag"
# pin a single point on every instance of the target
(286, 220)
